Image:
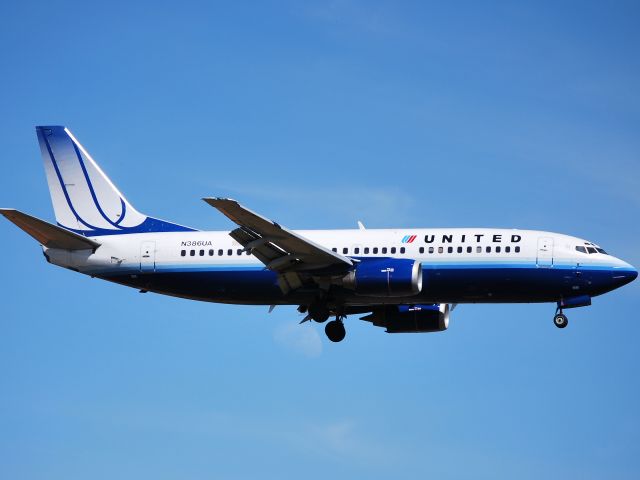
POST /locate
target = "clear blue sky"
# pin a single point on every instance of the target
(320, 114)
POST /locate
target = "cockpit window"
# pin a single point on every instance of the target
(590, 248)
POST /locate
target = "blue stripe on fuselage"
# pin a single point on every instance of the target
(444, 282)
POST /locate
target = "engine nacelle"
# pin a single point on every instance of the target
(412, 318)
(385, 277)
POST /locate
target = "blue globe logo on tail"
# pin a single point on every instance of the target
(84, 199)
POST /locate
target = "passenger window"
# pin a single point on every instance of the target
(239, 251)
(393, 249)
(375, 250)
(183, 253)
(517, 249)
(507, 249)
(498, 249)
(356, 250)
(211, 252)
(478, 249)
(421, 249)
(469, 249)
(440, 249)
(192, 253)
(488, 249)
(366, 250)
(335, 249)
(450, 249)
(202, 253)
(430, 249)
(345, 250)
(230, 252)
(384, 249)
(220, 252)
(402, 250)
(459, 249)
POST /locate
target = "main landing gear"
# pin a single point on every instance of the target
(335, 330)
(560, 320)
(319, 312)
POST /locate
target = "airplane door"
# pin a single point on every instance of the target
(545, 252)
(148, 257)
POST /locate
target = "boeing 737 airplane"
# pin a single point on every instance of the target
(405, 280)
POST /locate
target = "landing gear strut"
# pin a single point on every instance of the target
(560, 320)
(335, 330)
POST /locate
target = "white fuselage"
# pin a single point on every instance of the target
(475, 250)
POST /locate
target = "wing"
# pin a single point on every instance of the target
(281, 250)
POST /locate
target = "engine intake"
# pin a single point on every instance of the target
(411, 318)
(385, 277)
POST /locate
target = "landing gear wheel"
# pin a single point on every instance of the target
(319, 313)
(560, 320)
(335, 330)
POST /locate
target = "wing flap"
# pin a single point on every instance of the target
(49, 235)
(280, 249)
(260, 247)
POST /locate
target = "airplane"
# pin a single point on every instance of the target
(405, 280)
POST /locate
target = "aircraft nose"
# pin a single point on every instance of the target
(625, 275)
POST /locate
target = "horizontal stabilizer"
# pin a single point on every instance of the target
(49, 235)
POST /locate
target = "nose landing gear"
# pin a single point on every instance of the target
(560, 320)
(335, 330)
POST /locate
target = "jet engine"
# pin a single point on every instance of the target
(411, 318)
(385, 277)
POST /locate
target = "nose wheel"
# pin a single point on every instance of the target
(560, 320)
(335, 330)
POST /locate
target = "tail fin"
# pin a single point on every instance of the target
(84, 199)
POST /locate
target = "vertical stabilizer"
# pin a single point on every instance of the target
(84, 199)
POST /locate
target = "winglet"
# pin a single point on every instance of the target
(361, 225)
(49, 235)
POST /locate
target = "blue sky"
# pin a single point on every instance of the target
(319, 114)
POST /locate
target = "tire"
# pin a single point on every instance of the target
(319, 313)
(560, 320)
(335, 331)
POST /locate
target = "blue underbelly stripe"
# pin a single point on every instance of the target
(428, 267)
